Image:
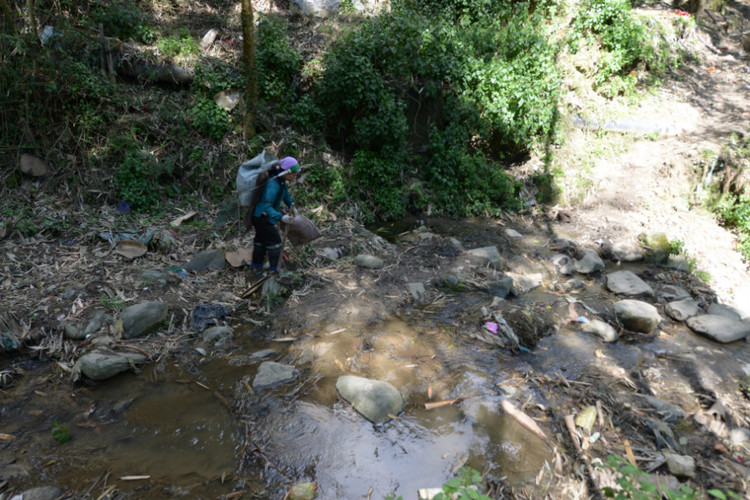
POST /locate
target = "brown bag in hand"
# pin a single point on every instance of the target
(302, 231)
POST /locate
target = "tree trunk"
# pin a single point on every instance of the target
(8, 15)
(248, 56)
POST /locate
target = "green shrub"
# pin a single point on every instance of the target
(307, 117)
(734, 212)
(488, 92)
(209, 119)
(627, 43)
(119, 18)
(136, 180)
(633, 483)
(180, 45)
(60, 432)
(467, 486)
(278, 64)
(214, 76)
(377, 180)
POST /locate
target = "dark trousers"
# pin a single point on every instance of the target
(267, 240)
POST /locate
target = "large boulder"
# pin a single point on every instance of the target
(376, 400)
(590, 263)
(680, 310)
(628, 283)
(101, 366)
(637, 316)
(719, 328)
(271, 373)
(141, 319)
(603, 330)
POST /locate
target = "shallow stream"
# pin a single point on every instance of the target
(191, 426)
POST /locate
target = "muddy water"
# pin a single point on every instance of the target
(196, 429)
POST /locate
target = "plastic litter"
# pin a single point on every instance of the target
(8, 342)
(208, 315)
(491, 327)
(581, 319)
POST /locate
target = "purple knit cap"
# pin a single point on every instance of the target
(289, 165)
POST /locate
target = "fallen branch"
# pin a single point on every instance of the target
(447, 402)
(526, 421)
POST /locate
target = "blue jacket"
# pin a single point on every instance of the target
(274, 193)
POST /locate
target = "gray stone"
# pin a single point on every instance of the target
(72, 332)
(14, 471)
(671, 413)
(101, 366)
(263, 354)
(486, 254)
(590, 263)
(625, 251)
(209, 38)
(719, 328)
(217, 335)
(41, 493)
(455, 243)
(369, 261)
(141, 319)
(671, 293)
(523, 284)
(374, 399)
(513, 234)
(680, 310)
(158, 278)
(563, 264)
(600, 328)
(636, 315)
(680, 465)
(96, 323)
(271, 373)
(628, 284)
(571, 285)
(324, 8)
(330, 253)
(207, 260)
(677, 262)
(417, 290)
(500, 288)
(658, 247)
(722, 310)
(562, 245)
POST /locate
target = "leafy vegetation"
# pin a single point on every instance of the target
(467, 486)
(417, 97)
(60, 432)
(627, 44)
(635, 484)
(731, 196)
(426, 105)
